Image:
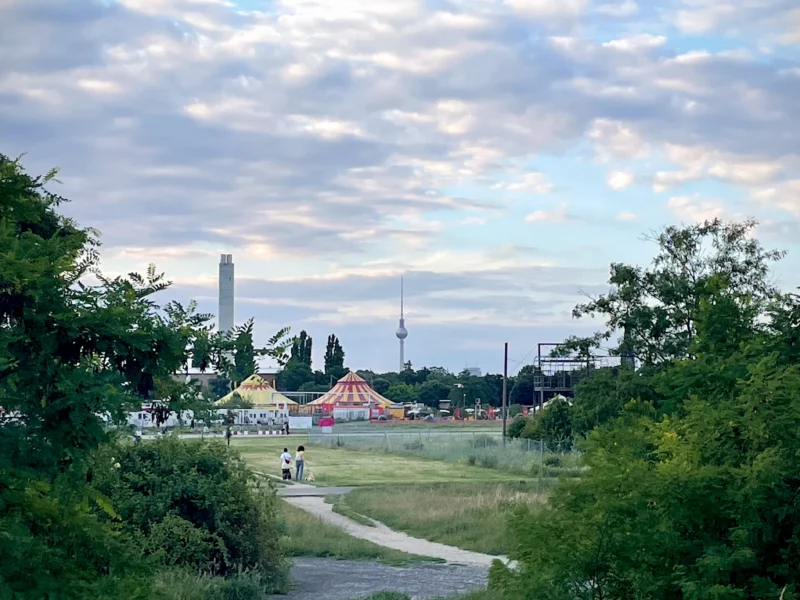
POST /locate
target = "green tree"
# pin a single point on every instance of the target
(432, 392)
(294, 375)
(402, 393)
(76, 348)
(301, 348)
(523, 391)
(334, 358)
(692, 495)
(656, 308)
(381, 385)
(552, 425)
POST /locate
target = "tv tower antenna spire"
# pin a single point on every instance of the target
(402, 332)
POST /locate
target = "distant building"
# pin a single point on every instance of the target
(474, 371)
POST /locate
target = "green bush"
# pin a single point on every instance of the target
(516, 427)
(193, 505)
(174, 584)
(552, 460)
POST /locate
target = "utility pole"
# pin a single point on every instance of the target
(505, 390)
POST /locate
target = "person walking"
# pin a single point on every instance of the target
(286, 465)
(299, 463)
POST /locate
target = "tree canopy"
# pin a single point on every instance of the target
(691, 487)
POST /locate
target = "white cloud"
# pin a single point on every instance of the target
(626, 216)
(557, 215)
(619, 180)
(616, 139)
(637, 42)
(695, 209)
(626, 8)
(532, 183)
(548, 9)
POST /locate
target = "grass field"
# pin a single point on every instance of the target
(472, 516)
(349, 466)
(310, 536)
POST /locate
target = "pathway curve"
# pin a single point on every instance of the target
(302, 490)
(332, 579)
(383, 536)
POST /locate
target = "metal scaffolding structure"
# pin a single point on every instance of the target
(559, 375)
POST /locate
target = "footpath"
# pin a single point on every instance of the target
(311, 499)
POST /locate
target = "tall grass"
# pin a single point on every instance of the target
(473, 516)
(307, 535)
(522, 457)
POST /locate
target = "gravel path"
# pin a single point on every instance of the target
(383, 536)
(330, 579)
(303, 490)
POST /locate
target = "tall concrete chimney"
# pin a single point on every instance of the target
(225, 315)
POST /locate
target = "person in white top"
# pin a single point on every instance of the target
(286, 464)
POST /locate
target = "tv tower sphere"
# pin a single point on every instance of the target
(402, 332)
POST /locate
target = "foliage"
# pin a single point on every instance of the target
(194, 506)
(402, 393)
(381, 385)
(432, 392)
(76, 348)
(301, 348)
(516, 427)
(294, 375)
(552, 424)
(334, 358)
(656, 309)
(184, 584)
(691, 487)
(237, 402)
(219, 387)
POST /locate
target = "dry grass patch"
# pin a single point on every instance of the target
(474, 516)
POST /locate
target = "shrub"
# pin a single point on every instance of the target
(194, 506)
(516, 427)
(553, 460)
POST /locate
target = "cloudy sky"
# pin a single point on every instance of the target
(499, 153)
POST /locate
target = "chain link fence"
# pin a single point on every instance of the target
(519, 456)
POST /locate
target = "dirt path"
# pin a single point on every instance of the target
(331, 579)
(383, 536)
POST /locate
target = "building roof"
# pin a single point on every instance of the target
(258, 391)
(352, 390)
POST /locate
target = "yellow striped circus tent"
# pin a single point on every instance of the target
(351, 390)
(256, 390)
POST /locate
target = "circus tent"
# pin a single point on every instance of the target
(256, 390)
(350, 395)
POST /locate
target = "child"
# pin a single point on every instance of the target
(286, 464)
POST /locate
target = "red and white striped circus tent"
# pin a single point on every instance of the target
(350, 396)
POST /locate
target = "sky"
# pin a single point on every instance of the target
(498, 154)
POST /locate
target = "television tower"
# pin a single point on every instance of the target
(402, 333)
(225, 315)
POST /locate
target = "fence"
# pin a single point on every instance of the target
(523, 457)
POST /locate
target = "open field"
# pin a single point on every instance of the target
(527, 458)
(472, 516)
(335, 466)
(307, 535)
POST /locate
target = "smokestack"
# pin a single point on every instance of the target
(225, 315)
